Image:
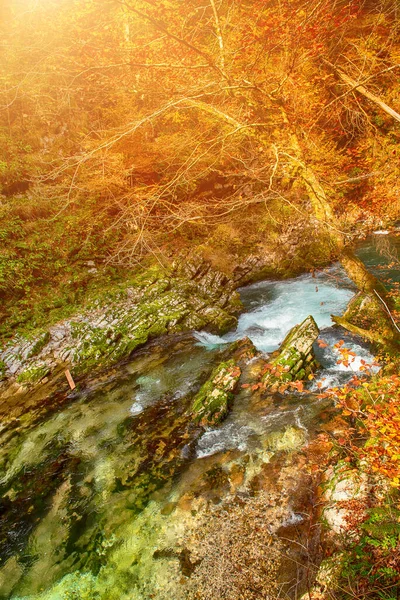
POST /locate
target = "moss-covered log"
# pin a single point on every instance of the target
(372, 336)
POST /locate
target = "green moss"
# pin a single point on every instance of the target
(39, 344)
(150, 276)
(220, 321)
(33, 374)
(211, 405)
(149, 304)
(225, 322)
(292, 438)
(77, 329)
(285, 377)
(75, 586)
(294, 358)
(235, 302)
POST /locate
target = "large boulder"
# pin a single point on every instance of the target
(212, 403)
(295, 358)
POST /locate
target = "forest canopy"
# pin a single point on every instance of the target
(131, 128)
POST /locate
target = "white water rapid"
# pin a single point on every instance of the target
(272, 308)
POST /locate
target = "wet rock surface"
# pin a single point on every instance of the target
(295, 358)
(191, 295)
(212, 403)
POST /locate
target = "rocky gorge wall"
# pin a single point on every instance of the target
(193, 293)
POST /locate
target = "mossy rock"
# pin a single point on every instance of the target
(33, 374)
(3, 368)
(211, 405)
(154, 303)
(39, 343)
(295, 359)
(222, 322)
(240, 351)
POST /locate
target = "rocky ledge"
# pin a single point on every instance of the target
(189, 295)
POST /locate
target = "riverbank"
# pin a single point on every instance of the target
(190, 293)
(119, 490)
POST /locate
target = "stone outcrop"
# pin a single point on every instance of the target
(295, 358)
(212, 403)
(344, 490)
(191, 295)
(366, 316)
(294, 247)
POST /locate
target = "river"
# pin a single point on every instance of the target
(116, 494)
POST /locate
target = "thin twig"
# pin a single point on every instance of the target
(387, 310)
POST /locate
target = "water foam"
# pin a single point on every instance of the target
(272, 308)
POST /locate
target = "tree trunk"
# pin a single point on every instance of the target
(367, 283)
(362, 90)
(316, 193)
(359, 274)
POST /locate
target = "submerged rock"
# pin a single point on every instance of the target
(295, 358)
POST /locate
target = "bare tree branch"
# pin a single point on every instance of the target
(219, 36)
(362, 90)
(160, 26)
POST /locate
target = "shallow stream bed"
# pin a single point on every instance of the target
(116, 493)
